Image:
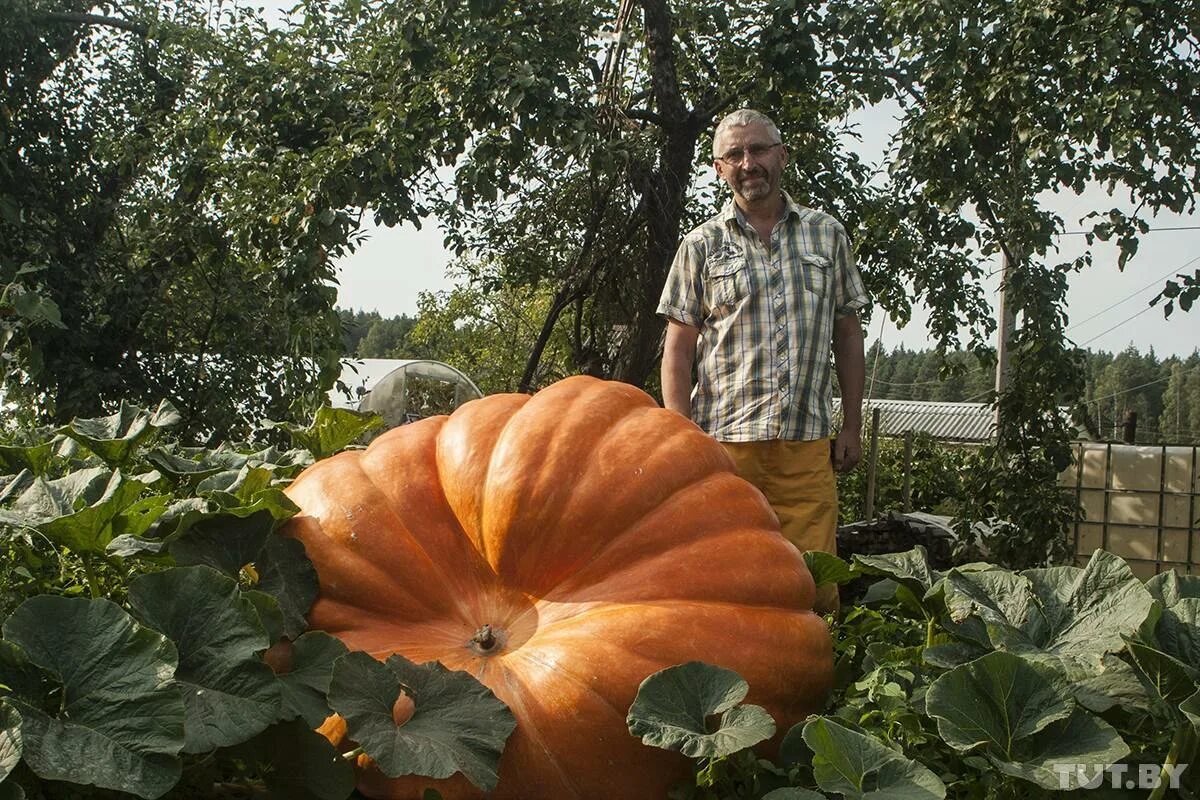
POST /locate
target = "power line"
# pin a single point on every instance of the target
(1154, 282)
(1119, 324)
(1148, 230)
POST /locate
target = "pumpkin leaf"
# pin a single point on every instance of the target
(1117, 684)
(35, 458)
(114, 437)
(1021, 716)
(827, 568)
(332, 429)
(242, 483)
(300, 763)
(910, 568)
(793, 793)
(136, 519)
(181, 469)
(12, 485)
(673, 706)
(10, 739)
(228, 692)
(1169, 680)
(1170, 587)
(225, 542)
(793, 749)
(457, 725)
(269, 614)
(1067, 616)
(115, 717)
(305, 687)
(77, 510)
(286, 574)
(856, 766)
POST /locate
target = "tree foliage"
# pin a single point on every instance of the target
(186, 175)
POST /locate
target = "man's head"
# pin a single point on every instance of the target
(749, 155)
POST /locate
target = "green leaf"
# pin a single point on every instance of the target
(1170, 587)
(13, 485)
(117, 720)
(793, 793)
(909, 569)
(1021, 716)
(1117, 684)
(331, 430)
(38, 309)
(1191, 709)
(114, 437)
(673, 705)
(827, 568)
(179, 468)
(286, 574)
(77, 510)
(10, 739)
(858, 766)
(225, 542)
(36, 457)
(269, 614)
(301, 763)
(458, 725)
(230, 695)
(1168, 679)
(307, 685)
(1067, 616)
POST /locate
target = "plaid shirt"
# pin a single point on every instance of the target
(766, 321)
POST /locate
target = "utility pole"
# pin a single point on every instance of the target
(1008, 322)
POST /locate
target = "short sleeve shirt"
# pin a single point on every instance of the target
(765, 314)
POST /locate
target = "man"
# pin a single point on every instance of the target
(756, 299)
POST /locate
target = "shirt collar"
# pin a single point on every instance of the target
(732, 214)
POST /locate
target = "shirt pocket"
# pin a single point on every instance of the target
(726, 282)
(817, 271)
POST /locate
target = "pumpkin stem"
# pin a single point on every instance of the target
(484, 638)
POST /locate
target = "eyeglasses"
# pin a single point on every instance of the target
(756, 151)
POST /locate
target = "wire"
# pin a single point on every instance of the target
(1114, 327)
(1154, 282)
(1148, 230)
(1125, 391)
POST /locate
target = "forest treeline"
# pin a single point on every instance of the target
(1165, 393)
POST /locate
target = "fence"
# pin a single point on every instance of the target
(1140, 502)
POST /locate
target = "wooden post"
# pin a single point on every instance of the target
(1008, 321)
(1129, 427)
(872, 463)
(908, 456)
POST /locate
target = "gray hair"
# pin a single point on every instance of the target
(744, 116)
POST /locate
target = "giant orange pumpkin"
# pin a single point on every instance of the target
(600, 537)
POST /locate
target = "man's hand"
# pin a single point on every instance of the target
(846, 452)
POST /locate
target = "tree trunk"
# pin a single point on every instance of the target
(664, 191)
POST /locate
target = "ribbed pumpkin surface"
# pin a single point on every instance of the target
(602, 537)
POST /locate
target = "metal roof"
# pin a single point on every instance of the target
(965, 422)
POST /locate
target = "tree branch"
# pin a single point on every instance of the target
(645, 115)
(96, 19)
(896, 76)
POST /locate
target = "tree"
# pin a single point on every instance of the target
(387, 338)
(1180, 420)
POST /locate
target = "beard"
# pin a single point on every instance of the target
(754, 185)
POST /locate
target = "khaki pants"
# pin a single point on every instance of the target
(798, 481)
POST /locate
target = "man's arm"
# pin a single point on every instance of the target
(851, 364)
(678, 354)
